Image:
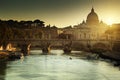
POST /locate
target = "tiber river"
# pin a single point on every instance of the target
(57, 67)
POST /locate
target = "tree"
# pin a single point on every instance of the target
(54, 27)
(39, 23)
(6, 34)
(48, 26)
(28, 23)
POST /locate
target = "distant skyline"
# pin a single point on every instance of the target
(61, 13)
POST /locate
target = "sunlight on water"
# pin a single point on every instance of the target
(59, 67)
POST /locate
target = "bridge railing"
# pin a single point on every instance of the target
(62, 40)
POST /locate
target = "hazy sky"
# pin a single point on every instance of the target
(59, 12)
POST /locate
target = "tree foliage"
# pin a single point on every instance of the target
(12, 29)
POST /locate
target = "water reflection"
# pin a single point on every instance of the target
(3, 67)
(58, 67)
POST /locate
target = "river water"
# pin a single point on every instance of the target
(57, 67)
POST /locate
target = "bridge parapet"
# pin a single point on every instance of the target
(59, 42)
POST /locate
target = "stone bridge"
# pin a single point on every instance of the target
(76, 44)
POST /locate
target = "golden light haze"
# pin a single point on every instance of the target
(61, 13)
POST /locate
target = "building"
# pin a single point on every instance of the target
(114, 32)
(35, 34)
(92, 28)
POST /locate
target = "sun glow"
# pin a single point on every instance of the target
(109, 21)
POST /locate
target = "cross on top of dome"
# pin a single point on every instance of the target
(92, 10)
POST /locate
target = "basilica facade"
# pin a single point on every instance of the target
(91, 29)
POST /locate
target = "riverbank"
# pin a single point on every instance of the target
(8, 55)
(113, 55)
(3, 56)
(109, 56)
